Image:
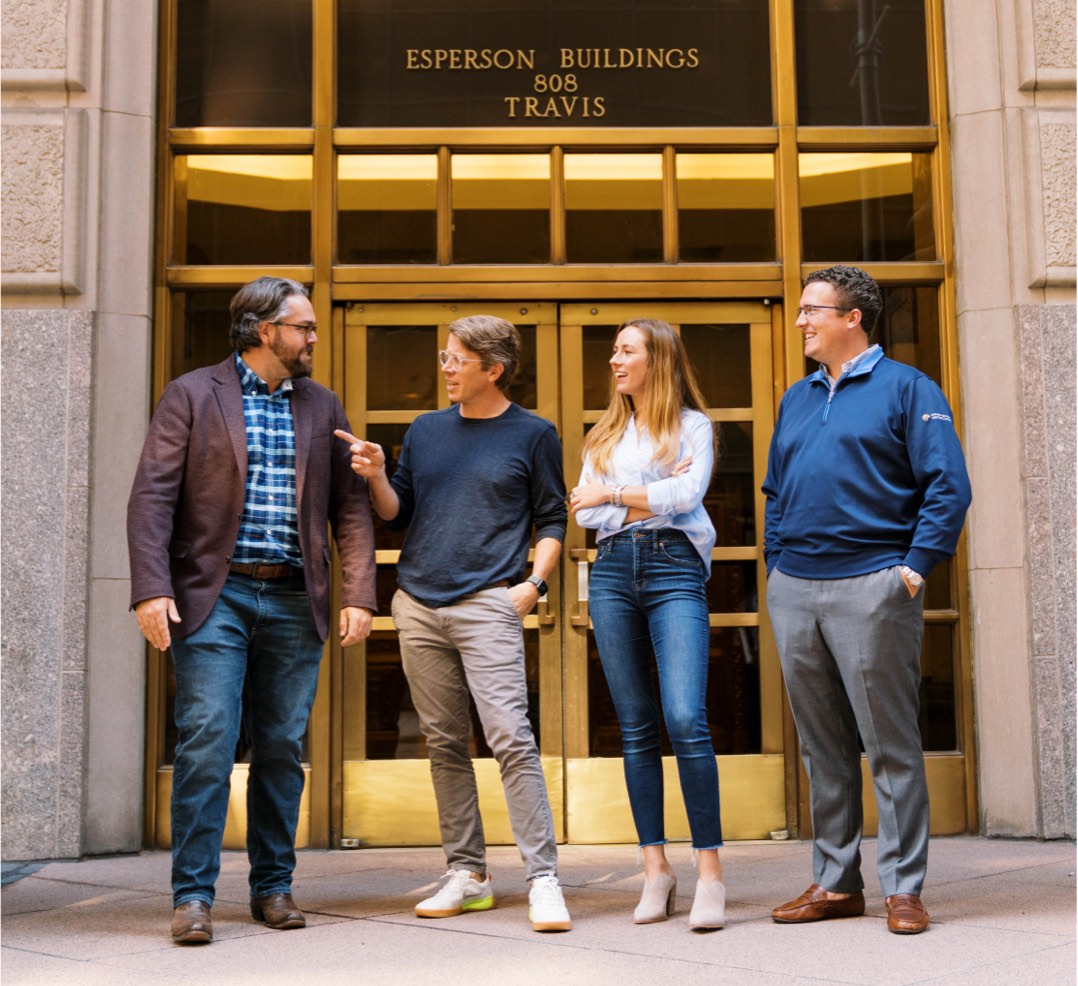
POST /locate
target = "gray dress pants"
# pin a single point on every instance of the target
(851, 658)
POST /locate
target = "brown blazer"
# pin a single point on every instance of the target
(183, 516)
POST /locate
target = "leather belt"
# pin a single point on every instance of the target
(257, 571)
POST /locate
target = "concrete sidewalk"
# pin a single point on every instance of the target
(1003, 913)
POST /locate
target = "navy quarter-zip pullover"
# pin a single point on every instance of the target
(865, 476)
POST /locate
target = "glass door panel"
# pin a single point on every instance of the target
(730, 344)
(391, 376)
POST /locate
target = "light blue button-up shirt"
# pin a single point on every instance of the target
(676, 501)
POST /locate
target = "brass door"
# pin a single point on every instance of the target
(390, 377)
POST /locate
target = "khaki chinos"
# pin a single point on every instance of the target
(476, 646)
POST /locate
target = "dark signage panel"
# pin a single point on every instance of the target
(540, 63)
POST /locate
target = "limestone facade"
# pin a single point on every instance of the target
(79, 81)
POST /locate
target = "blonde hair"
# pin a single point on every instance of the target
(669, 387)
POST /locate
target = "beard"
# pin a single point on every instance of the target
(297, 362)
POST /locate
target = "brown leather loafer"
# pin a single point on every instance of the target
(191, 924)
(815, 905)
(279, 911)
(906, 915)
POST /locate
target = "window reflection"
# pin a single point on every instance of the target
(720, 356)
(202, 320)
(866, 207)
(598, 347)
(726, 207)
(387, 208)
(731, 498)
(938, 713)
(861, 63)
(243, 209)
(243, 63)
(613, 208)
(402, 367)
(501, 208)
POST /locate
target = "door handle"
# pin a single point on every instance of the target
(543, 613)
(579, 616)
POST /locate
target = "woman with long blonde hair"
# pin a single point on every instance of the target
(647, 466)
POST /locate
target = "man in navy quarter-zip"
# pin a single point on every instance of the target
(866, 493)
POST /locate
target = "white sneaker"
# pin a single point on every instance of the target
(460, 893)
(546, 906)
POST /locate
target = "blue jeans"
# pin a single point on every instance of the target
(647, 594)
(258, 652)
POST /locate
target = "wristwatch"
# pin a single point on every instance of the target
(914, 578)
(538, 583)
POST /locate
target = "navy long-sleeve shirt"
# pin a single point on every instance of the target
(864, 477)
(470, 491)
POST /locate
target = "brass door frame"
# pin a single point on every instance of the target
(754, 786)
(391, 801)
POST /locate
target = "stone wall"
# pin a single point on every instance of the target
(78, 87)
(1011, 76)
(45, 436)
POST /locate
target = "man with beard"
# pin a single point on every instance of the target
(230, 565)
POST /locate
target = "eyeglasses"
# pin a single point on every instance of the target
(452, 360)
(809, 310)
(307, 330)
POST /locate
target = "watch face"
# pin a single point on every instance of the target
(539, 584)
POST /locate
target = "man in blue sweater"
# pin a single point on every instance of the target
(866, 493)
(471, 483)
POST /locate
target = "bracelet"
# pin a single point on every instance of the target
(615, 497)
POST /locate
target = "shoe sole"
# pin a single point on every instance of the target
(822, 917)
(193, 938)
(907, 931)
(551, 925)
(486, 904)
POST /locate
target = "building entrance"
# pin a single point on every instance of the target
(368, 778)
(390, 376)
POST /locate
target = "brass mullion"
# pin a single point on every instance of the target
(444, 207)
(557, 206)
(551, 721)
(948, 313)
(325, 730)
(161, 373)
(785, 352)
(234, 139)
(787, 187)
(624, 137)
(670, 214)
(763, 424)
(575, 638)
(232, 276)
(867, 138)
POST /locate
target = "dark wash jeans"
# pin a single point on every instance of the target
(647, 594)
(258, 650)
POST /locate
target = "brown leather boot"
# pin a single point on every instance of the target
(279, 911)
(191, 923)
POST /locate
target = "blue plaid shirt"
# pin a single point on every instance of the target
(269, 527)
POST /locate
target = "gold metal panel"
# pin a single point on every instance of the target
(946, 796)
(391, 802)
(623, 137)
(762, 276)
(752, 793)
(407, 288)
(867, 138)
(236, 822)
(240, 138)
(233, 276)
